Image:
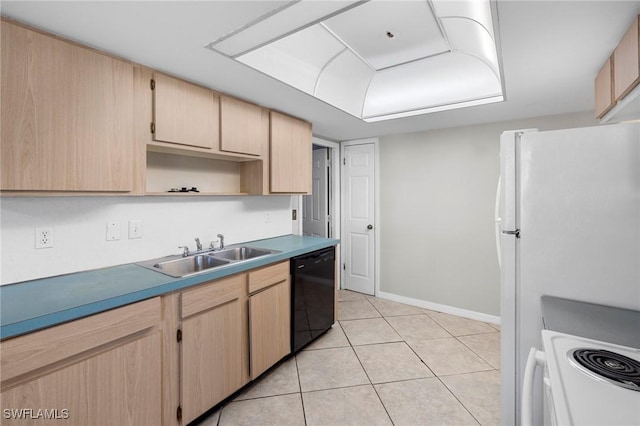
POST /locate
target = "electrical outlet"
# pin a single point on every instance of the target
(113, 231)
(44, 238)
(135, 229)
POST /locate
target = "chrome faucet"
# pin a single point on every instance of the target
(198, 244)
(185, 251)
(221, 241)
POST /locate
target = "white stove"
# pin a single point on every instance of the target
(576, 387)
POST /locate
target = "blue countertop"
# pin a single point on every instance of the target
(37, 304)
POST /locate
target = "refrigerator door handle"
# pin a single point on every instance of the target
(498, 220)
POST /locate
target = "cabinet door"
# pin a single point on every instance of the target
(244, 127)
(290, 155)
(184, 113)
(213, 353)
(102, 369)
(604, 89)
(67, 116)
(118, 387)
(626, 62)
(269, 326)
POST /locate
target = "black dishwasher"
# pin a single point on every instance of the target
(312, 296)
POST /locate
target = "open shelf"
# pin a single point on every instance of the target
(193, 151)
(211, 176)
(193, 194)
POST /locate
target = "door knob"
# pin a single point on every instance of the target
(369, 226)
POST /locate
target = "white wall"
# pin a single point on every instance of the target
(437, 198)
(79, 225)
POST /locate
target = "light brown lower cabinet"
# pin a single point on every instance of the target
(269, 316)
(162, 361)
(101, 370)
(214, 347)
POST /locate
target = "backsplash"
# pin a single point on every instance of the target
(79, 229)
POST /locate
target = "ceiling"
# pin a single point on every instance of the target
(379, 59)
(550, 51)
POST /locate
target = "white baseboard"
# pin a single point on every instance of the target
(478, 316)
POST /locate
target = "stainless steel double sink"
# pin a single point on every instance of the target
(179, 267)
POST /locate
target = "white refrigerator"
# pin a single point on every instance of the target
(568, 226)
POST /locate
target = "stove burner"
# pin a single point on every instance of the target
(616, 368)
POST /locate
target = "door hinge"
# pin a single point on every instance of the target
(344, 161)
(153, 127)
(179, 413)
(179, 335)
(344, 266)
(153, 84)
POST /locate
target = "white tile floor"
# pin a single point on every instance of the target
(384, 363)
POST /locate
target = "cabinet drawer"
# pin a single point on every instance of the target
(267, 276)
(36, 350)
(211, 294)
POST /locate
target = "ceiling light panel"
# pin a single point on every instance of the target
(379, 59)
(469, 37)
(415, 30)
(476, 10)
(297, 59)
(288, 18)
(344, 83)
(437, 81)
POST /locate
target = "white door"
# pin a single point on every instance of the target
(359, 201)
(315, 210)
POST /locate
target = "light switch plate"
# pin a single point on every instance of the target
(135, 229)
(113, 231)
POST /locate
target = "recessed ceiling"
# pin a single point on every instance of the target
(377, 60)
(387, 34)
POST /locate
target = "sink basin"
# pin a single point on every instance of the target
(185, 266)
(236, 254)
(179, 267)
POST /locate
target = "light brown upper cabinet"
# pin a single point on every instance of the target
(67, 116)
(184, 113)
(604, 89)
(626, 62)
(244, 127)
(290, 156)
